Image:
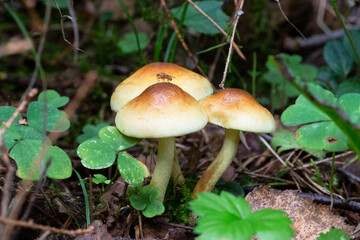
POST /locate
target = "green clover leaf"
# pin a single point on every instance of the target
(144, 199)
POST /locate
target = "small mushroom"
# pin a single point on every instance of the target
(194, 84)
(234, 110)
(162, 111)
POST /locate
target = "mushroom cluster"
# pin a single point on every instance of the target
(160, 100)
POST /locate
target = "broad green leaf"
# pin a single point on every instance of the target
(337, 58)
(11, 137)
(196, 21)
(270, 224)
(28, 132)
(54, 98)
(328, 78)
(96, 154)
(350, 102)
(90, 131)
(56, 120)
(333, 234)
(149, 192)
(115, 139)
(351, 85)
(128, 43)
(285, 140)
(322, 135)
(132, 170)
(6, 112)
(27, 156)
(60, 166)
(355, 36)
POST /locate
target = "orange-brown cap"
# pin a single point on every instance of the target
(237, 109)
(191, 82)
(162, 110)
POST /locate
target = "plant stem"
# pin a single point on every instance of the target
(254, 75)
(176, 174)
(331, 181)
(222, 161)
(164, 162)
(338, 15)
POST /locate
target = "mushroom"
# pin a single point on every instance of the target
(194, 84)
(162, 111)
(235, 110)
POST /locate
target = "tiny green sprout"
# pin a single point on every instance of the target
(102, 151)
(144, 198)
(319, 131)
(225, 216)
(29, 147)
(99, 178)
(333, 234)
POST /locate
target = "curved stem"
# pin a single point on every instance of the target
(222, 161)
(176, 174)
(164, 163)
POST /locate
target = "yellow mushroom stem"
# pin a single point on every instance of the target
(164, 164)
(176, 174)
(222, 161)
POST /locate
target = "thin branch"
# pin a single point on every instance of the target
(181, 38)
(218, 27)
(7, 221)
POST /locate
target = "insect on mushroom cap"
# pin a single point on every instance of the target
(194, 84)
(237, 109)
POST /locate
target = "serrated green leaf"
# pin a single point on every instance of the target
(90, 131)
(54, 98)
(333, 234)
(56, 120)
(154, 208)
(196, 21)
(6, 112)
(270, 224)
(115, 139)
(96, 154)
(132, 170)
(60, 167)
(355, 36)
(337, 58)
(126, 45)
(27, 156)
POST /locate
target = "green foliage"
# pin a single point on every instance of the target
(90, 131)
(230, 217)
(29, 147)
(333, 234)
(319, 177)
(320, 131)
(127, 46)
(144, 199)
(337, 58)
(286, 140)
(355, 36)
(99, 178)
(196, 21)
(99, 153)
(281, 89)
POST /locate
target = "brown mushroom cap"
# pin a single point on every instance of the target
(191, 82)
(162, 110)
(237, 109)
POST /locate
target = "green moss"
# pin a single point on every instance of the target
(177, 200)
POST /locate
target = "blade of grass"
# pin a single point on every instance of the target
(212, 48)
(254, 75)
(86, 198)
(129, 18)
(160, 36)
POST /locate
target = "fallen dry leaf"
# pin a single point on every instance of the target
(309, 219)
